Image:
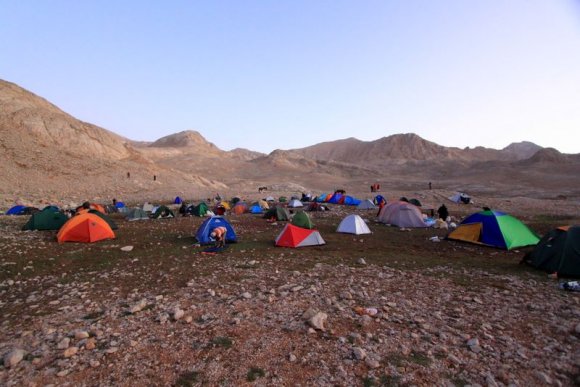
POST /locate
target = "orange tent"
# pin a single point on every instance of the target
(240, 208)
(85, 228)
(98, 207)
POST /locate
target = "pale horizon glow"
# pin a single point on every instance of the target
(284, 75)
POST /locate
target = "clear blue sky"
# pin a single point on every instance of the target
(286, 74)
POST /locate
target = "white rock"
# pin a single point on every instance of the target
(361, 261)
(372, 363)
(318, 320)
(292, 358)
(359, 353)
(246, 295)
(127, 248)
(178, 313)
(138, 306)
(64, 343)
(80, 335)
(14, 357)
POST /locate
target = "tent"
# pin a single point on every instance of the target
(200, 210)
(21, 210)
(558, 252)
(293, 236)
(321, 198)
(109, 221)
(51, 207)
(350, 201)
(225, 204)
(98, 207)
(163, 212)
(295, 203)
(401, 214)
(148, 207)
(240, 208)
(366, 205)
(460, 198)
(282, 199)
(494, 228)
(177, 200)
(335, 198)
(415, 202)
(203, 232)
(270, 199)
(47, 219)
(136, 214)
(16, 210)
(353, 224)
(301, 219)
(120, 205)
(85, 227)
(277, 213)
(256, 209)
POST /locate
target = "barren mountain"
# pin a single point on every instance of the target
(49, 154)
(521, 150)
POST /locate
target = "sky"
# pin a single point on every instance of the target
(266, 75)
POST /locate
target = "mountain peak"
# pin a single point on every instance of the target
(186, 138)
(521, 150)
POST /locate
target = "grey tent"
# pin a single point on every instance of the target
(136, 214)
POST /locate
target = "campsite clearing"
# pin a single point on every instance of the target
(165, 314)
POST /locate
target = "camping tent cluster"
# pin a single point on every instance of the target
(557, 252)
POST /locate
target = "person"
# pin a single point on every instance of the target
(115, 202)
(128, 175)
(382, 203)
(154, 177)
(218, 234)
(443, 212)
(429, 185)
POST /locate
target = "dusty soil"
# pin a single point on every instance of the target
(448, 313)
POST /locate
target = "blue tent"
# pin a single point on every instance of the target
(335, 199)
(321, 198)
(350, 201)
(177, 200)
(16, 210)
(120, 205)
(256, 209)
(207, 227)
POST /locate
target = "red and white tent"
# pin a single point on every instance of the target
(293, 236)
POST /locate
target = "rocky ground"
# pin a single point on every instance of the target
(390, 308)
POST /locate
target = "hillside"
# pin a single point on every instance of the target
(48, 155)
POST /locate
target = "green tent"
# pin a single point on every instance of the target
(301, 219)
(282, 199)
(136, 214)
(277, 213)
(200, 209)
(494, 228)
(109, 221)
(47, 219)
(163, 212)
(558, 252)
